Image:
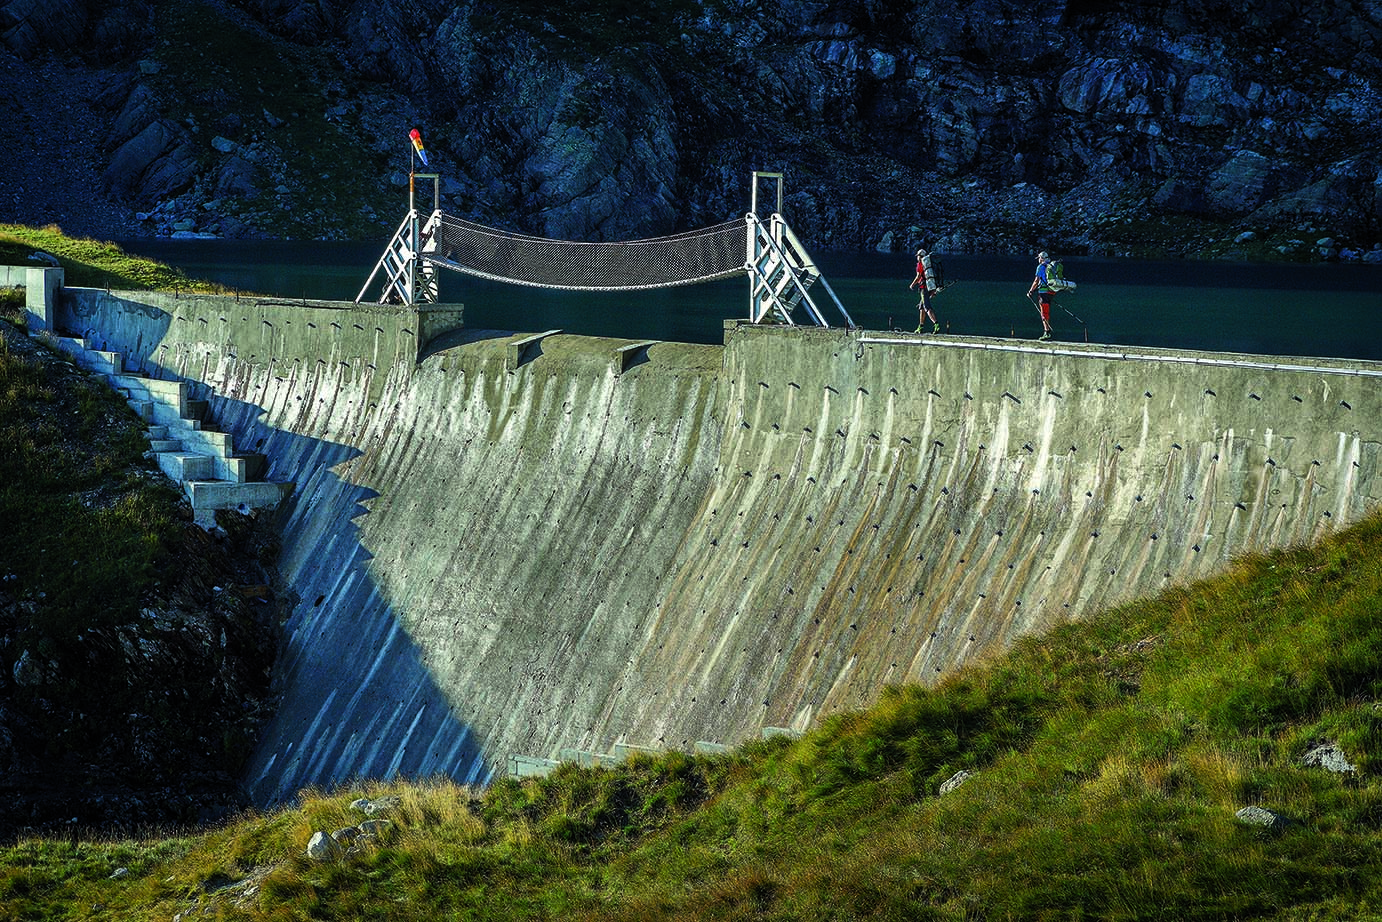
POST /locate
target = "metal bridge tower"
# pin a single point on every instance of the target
(780, 270)
(407, 278)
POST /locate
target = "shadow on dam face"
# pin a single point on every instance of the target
(356, 698)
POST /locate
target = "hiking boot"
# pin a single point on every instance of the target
(936, 327)
(918, 329)
(1045, 334)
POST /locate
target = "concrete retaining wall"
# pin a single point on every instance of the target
(510, 546)
(41, 285)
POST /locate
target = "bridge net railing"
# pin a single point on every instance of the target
(687, 258)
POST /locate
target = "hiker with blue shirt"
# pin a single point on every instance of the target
(1041, 284)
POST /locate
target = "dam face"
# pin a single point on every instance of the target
(505, 545)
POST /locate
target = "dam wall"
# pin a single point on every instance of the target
(512, 544)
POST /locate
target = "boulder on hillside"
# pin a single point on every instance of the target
(1110, 88)
(1243, 183)
(1329, 757)
(236, 178)
(1261, 816)
(158, 162)
(1348, 194)
(1177, 195)
(29, 27)
(322, 847)
(140, 109)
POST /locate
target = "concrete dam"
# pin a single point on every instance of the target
(506, 546)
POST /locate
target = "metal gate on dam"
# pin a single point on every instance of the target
(515, 544)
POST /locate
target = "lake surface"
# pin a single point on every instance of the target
(1332, 310)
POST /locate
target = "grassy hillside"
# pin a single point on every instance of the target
(93, 263)
(1108, 761)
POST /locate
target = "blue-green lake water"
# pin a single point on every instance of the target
(1324, 309)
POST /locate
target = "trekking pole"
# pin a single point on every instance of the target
(1077, 319)
(1037, 308)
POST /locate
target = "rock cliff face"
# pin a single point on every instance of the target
(1107, 126)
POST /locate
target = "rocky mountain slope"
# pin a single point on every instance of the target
(1099, 126)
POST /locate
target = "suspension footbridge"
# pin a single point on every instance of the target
(785, 284)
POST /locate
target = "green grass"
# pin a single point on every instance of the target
(93, 263)
(1108, 760)
(85, 530)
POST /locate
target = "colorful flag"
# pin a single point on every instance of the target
(416, 137)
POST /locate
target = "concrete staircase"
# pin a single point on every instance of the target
(188, 447)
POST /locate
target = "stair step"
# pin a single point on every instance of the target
(70, 344)
(186, 465)
(188, 447)
(170, 393)
(205, 440)
(207, 496)
(169, 416)
(247, 468)
(144, 409)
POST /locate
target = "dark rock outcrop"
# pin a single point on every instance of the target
(158, 162)
(29, 26)
(987, 126)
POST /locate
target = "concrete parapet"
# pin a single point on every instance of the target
(192, 336)
(524, 349)
(40, 298)
(625, 357)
